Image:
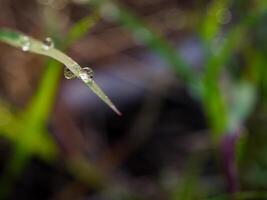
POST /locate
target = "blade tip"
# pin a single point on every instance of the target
(116, 110)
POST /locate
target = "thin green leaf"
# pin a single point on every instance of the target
(81, 28)
(35, 46)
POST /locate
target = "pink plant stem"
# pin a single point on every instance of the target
(229, 167)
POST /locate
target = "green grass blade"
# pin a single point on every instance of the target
(35, 46)
(80, 28)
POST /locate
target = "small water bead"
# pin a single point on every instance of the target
(89, 71)
(68, 74)
(48, 43)
(25, 43)
(86, 74)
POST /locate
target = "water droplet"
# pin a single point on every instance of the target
(48, 43)
(68, 74)
(89, 71)
(25, 43)
(86, 74)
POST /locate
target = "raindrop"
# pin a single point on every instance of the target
(48, 43)
(86, 74)
(68, 74)
(25, 43)
(89, 71)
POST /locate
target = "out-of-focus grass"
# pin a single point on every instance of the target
(241, 196)
(152, 39)
(223, 116)
(207, 87)
(211, 24)
(227, 101)
(189, 186)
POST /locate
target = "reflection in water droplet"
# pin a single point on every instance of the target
(25, 43)
(86, 74)
(89, 71)
(48, 43)
(68, 74)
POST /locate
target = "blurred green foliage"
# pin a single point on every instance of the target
(232, 100)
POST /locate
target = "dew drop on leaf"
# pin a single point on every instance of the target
(89, 72)
(68, 74)
(48, 43)
(25, 42)
(86, 74)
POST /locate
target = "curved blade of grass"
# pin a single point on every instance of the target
(17, 39)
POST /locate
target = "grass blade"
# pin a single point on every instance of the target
(35, 46)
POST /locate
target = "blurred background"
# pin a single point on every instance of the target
(189, 77)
